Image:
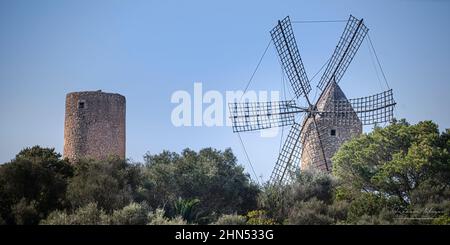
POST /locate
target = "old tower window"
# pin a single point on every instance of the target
(81, 105)
(333, 132)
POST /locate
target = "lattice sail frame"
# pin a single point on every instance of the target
(284, 41)
(377, 108)
(349, 43)
(374, 109)
(288, 163)
(289, 157)
(249, 116)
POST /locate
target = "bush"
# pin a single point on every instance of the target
(259, 217)
(106, 183)
(311, 212)
(87, 215)
(276, 201)
(187, 209)
(158, 218)
(281, 202)
(58, 218)
(25, 213)
(316, 184)
(338, 211)
(384, 217)
(132, 214)
(231, 219)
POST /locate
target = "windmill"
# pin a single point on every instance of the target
(328, 122)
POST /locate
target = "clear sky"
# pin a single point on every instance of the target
(146, 50)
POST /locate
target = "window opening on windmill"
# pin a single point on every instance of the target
(81, 105)
(333, 132)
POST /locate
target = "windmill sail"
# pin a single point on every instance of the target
(378, 108)
(328, 123)
(284, 40)
(249, 116)
(348, 45)
(289, 157)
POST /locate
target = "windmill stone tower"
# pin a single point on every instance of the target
(332, 133)
(94, 125)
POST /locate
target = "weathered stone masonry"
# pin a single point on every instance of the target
(94, 125)
(332, 134)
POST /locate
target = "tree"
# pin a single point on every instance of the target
(282, 202)
(211, 176)
(110, 184)
(33, 184)
(401, 167)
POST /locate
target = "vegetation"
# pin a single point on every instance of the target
(393, 175)
(399, 174)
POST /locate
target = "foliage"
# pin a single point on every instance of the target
(25, 212)
(32, 185)
(231, 219)
(399, 168)
(87, 215)
(311, 212)
(393, 175)
(211, 176)
(399, 174)
(259, 217)
(158, 218)
(132, 214)
(109, 183)
(280, 200)
(91, 214)
(187, 209)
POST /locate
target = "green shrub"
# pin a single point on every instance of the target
(158, 218)
(311, 212)
(231, 219)
(132, 214)
(259, 217)
(87, 215)
(106, 183)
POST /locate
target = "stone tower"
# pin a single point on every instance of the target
(332, 134)
(94, 125)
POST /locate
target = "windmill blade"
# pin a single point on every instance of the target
(302, 143)
(284, 41)
(250, 116)
(348, 45)
(289, 157)
(378, 108)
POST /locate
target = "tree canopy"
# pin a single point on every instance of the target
(213, 177)
(194, 187)
(33, 184)
(399, 174)
(401, 167)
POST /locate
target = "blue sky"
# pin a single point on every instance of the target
(146, 50)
